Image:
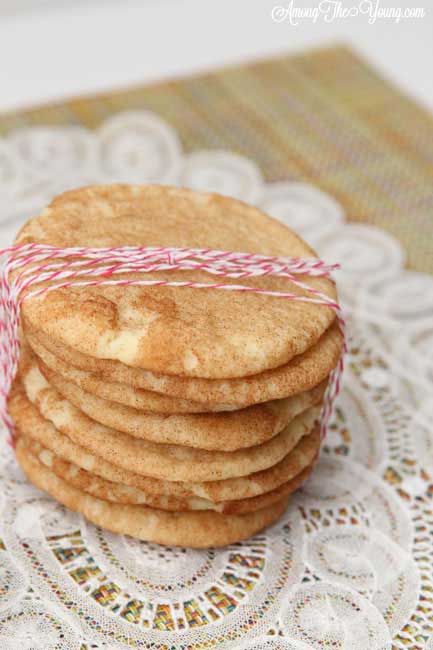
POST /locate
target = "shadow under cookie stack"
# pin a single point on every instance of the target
(176, 415)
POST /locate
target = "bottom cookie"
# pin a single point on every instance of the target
(189, 529)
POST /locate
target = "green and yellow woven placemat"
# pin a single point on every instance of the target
(324, 117)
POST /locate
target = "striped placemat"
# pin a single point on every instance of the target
(325, 117)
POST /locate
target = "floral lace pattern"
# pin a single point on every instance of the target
(350, 565)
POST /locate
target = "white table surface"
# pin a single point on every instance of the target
(50, 50)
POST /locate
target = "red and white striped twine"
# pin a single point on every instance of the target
(91, 267)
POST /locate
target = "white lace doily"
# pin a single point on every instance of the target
(350, 565)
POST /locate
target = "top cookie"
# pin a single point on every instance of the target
(192, 332)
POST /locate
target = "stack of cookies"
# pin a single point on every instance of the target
(176, 415)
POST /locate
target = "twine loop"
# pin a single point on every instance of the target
(58, 268)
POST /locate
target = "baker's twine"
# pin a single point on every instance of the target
(92, 267)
